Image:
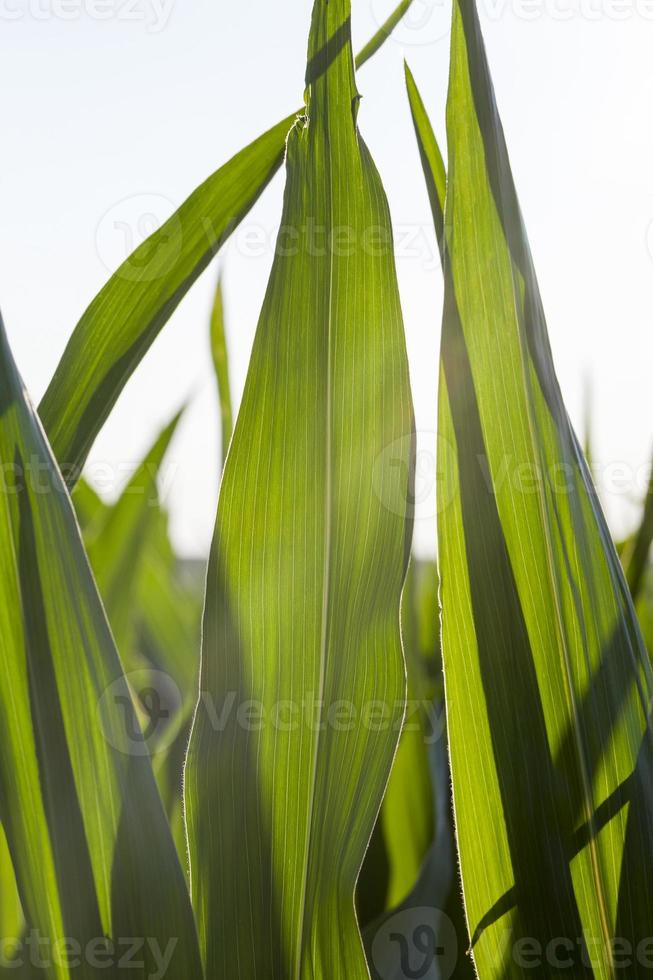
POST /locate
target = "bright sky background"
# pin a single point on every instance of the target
(114, 109)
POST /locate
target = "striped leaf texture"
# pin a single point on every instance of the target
(548, 683)
(87, 834)
(127, 315)
(301, 627)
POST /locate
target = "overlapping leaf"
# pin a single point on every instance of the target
(307, 564)
(118, 550)
(407, 812)
(548, 682)
(126, 316)
(88, 837)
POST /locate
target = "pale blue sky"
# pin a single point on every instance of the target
(141, 105)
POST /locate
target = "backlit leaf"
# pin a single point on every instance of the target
(306, 569)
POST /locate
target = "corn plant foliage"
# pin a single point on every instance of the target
(407, 812)
(636, 552)
(220, 358)
(126, 316)
(547, 680)
(87, 834)
(11, 914)
(118, 550)
(306, 569)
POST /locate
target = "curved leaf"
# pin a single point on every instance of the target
(548, 683)
(221, 367)
(407, 811)
(11, 914)
(86, 830)
(306, 569)
(126, 316)
(118, 549)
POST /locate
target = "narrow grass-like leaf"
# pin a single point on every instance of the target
(91, 510)
(417, 925)
(88, 837)
(407, 812)
(636, 552)
(220, 358)
(306, 569)
(548, 683)
(117, 551)
(11, 913)
(383, 33)
(126, 316)
(429, 151)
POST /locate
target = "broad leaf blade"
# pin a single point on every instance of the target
(126, 316)
(84, 822)
(548, 682)
(306, 570)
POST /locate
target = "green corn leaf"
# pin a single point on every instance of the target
(117, 551)
(407, 812)
(11, 914)
(120, 325)
(155, 619)
(548, 683)
(169, 616)
(635, 556)
(383, 33)
(421, 910)
(126, 316)
(404, 830)
(301, 628)
(90, 508)
(89, 842)
(429, 151)
(220, 358)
